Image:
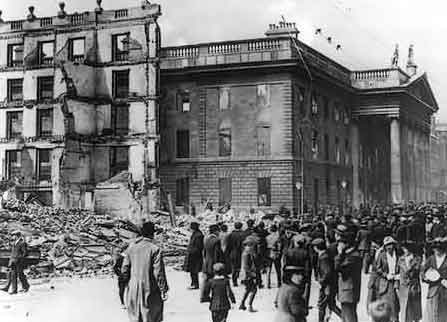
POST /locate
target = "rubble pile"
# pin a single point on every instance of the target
(77, 242)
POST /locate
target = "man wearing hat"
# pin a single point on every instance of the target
(290, 302)
(194, 258)
(16, 264)
(348, 267)
(388, 276)
(326, 277)
(144, 270)
(299, 255)
(212, 254)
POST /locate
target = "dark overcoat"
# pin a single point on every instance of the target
(234, 248)
(194, 253)
(348, 266)
(212, 254)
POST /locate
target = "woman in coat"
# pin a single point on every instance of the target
(290, 299)
(410, 284)
(435, 274)
(387, 281)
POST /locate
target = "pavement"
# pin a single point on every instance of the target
(95, 299)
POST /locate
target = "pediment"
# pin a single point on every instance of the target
(421, 89)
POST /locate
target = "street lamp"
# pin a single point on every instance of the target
(344, 185)
(300, 184)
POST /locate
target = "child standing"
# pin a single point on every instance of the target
(221, 294)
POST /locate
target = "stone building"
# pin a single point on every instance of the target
(439, 162)
(241, 121)
(78, 97)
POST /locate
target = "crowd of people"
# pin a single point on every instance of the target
(399, 248)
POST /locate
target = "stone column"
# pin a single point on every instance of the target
(355, 150)
(396, 178)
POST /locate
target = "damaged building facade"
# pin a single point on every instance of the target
(259, 123)
(78, 97)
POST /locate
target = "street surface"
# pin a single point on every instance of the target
(95, 299)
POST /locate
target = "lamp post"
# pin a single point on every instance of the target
(344, 185)
(300, 184)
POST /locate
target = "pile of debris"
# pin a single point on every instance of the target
(77, 242)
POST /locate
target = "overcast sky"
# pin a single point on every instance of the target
(367, 30)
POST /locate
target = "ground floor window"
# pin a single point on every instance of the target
(225, 191)
(264, 192)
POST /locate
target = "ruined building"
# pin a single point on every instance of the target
(258, 123)
(78, 105)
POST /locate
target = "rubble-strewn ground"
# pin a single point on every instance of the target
(96, 299)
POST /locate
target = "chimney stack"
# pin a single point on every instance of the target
(412, 68)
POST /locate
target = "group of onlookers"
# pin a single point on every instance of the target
(399, 248)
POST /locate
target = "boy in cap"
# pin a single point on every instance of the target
(221, 294)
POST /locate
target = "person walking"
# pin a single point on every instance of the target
(234, 251)
(220, 294)
(194, 255)
(326, 277)
(388, 276)
(348, 266)
(435, 275)
(249, 276)
(144, 271)
(410, 284)
(273, 255)
(19, 251)
(364, 244)
(117, 265)
(290, 300)
(212, 254)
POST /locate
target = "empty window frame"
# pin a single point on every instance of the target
(44, 122)
(76, 50)
(15, 89)
(14, 124)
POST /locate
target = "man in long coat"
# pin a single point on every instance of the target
(194, 256)
(212, 254)
(144, 269)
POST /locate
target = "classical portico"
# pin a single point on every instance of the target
(392, 114)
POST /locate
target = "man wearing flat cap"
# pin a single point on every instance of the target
(144, 269)
(16, 264)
